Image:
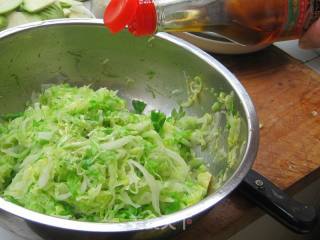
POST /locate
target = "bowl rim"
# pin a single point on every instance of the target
(154, 223)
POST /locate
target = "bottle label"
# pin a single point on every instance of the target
(300, 15)
(297, 15)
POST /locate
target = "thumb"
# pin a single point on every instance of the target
(311, 39)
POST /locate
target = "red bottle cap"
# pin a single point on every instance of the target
(139, 15)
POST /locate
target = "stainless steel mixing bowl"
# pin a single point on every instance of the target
(82, 52)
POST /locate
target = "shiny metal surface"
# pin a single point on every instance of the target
(82, 52)
(212, 43)
(212, 36)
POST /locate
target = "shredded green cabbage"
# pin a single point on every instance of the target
(81, 154)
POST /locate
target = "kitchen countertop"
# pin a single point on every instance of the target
(287, 97)
(286, 94)
(311, 58)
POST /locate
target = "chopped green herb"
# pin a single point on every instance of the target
(158, 119)
(178, 114)
(138, 106)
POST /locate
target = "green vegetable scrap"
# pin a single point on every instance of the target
(178, 114)
(194, 88)
(81, 154)
(151, 74)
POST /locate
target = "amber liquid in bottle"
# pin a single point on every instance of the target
(246, 22)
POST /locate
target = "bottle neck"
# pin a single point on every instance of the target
(189, 15)
(138, 15)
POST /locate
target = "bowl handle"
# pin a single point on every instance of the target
(296, 216)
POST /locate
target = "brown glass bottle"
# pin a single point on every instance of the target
(248, 22)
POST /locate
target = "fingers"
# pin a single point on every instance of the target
(311, 39)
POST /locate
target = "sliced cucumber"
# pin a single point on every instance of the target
(9, 5)
(52, 12)
(18, 18)
(33, 6)
(3, 22)
(68, 3)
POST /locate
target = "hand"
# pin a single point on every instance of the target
(311, 39)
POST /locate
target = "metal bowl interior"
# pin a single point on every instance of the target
(82, 52)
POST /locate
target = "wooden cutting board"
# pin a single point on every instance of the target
(286, 94)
